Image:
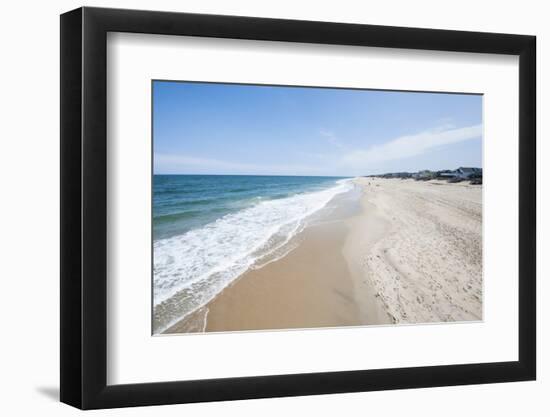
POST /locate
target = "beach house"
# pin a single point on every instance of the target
(424, 175)
(467, 173)
(463, 173)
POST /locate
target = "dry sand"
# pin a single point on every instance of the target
(410, 252)
(428, 267)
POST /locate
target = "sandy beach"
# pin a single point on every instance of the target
(397, 251)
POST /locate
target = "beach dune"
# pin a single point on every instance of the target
(403, 252)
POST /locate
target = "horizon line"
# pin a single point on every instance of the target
(265, 175)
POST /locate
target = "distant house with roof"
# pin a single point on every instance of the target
(467, 173)
(448, 174)
(457, 175)
(424, 175)
(463, 173)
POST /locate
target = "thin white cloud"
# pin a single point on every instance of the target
(345, 162)
(331, 138)
(186, 164)
(411, 145)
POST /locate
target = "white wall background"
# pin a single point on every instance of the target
(29, 225)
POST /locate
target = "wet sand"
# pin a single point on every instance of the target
(404, 252)
(314, 285)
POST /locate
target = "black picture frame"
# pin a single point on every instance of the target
(84, 207)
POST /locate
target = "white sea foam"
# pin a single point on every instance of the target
(192, 268)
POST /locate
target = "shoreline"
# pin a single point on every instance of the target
(311, 286)
(364, 263)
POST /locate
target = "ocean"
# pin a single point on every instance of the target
(209, 229)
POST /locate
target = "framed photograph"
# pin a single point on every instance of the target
(257, 208)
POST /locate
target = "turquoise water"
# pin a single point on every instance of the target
(185, 202)
(209, 229)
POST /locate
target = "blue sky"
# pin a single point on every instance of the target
(202, 128)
